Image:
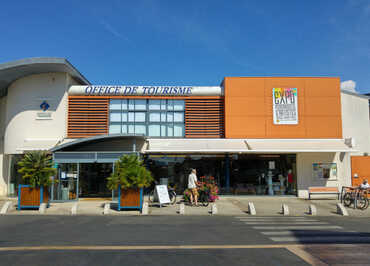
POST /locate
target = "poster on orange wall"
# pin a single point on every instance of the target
(285, 106)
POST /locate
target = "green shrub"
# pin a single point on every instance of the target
(129, 172)
(36, 168)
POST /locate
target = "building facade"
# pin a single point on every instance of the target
(253, 135)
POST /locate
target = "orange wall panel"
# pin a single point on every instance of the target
(249, 108)
(360, 165)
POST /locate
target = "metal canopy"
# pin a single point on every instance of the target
(11, 71)
(101, 149)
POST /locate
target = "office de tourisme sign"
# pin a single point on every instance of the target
(145, 90)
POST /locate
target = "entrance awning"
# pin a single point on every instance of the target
(246, 145)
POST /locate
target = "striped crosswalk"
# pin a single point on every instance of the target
(302, 229)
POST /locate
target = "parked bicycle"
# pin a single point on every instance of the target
(171, 193)
(356, 197)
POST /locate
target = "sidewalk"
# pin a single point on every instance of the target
(226, 205)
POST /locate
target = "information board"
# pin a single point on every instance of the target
(162, 193)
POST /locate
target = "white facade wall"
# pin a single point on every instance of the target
(3, 168)
(21, 129)
(25, 130)
(356, 122)
(305, 177)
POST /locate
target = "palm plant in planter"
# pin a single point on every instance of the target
(130, 177)
(36, 168)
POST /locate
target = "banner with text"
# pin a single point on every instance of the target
(285, 106)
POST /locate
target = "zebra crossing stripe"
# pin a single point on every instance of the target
(298, 227)
(311, 232)
(288, 222)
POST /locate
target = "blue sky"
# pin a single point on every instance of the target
(148, 42)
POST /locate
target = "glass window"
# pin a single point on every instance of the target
(170, 105)
(163, 117)
(115, 105)
(114, 128)
(140, 129)
(154, 131)
(170, 130)
(140, 104)
(154, 104)
(131, 104)
(170, 117)
(178, 130)
(163, 130)
(131, 117)
(115, 117)
(154, 117)
(139, 117)
(124, 105)
(178, 105)
(131, 129)
(178, 117)
(124, 129)
(124, 116)
(163, 104)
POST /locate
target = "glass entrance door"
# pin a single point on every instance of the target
(65, 187)
(93, 179)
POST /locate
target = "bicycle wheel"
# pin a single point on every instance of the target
(172, 195)
(347, 199)
(362, 202)
(151, 196)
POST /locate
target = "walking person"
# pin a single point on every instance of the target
(192, 185)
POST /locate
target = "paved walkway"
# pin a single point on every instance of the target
(229, 206)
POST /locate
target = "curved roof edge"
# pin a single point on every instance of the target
(99, 137)
(11, 71)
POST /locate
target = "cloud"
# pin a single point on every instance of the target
(348, 85)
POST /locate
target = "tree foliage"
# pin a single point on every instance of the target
(129, 172)
(36, 168)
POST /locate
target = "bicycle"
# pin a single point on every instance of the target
(171, 193)
(358, 195)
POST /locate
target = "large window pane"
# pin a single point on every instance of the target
(170, 117)
(124, 129)
(154, 131)
(131, 117)
(140, 129)
(124, 116)
(154, 117)
(115, 105)
(163, 104)
(178, 105)
(170, 105)
(131, 104)
(163, 117)
(178, 117)
(178, 130)
(115, 117)
(140, 104)
(124, 105)
(163, 130)
(154, 104)
(139, 117)
(114, 128)
(131, 129)
(170, 130)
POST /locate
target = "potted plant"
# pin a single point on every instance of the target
(36, 168)
(130, 177)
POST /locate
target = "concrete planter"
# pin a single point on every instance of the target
(131, 198)
(31, 198)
